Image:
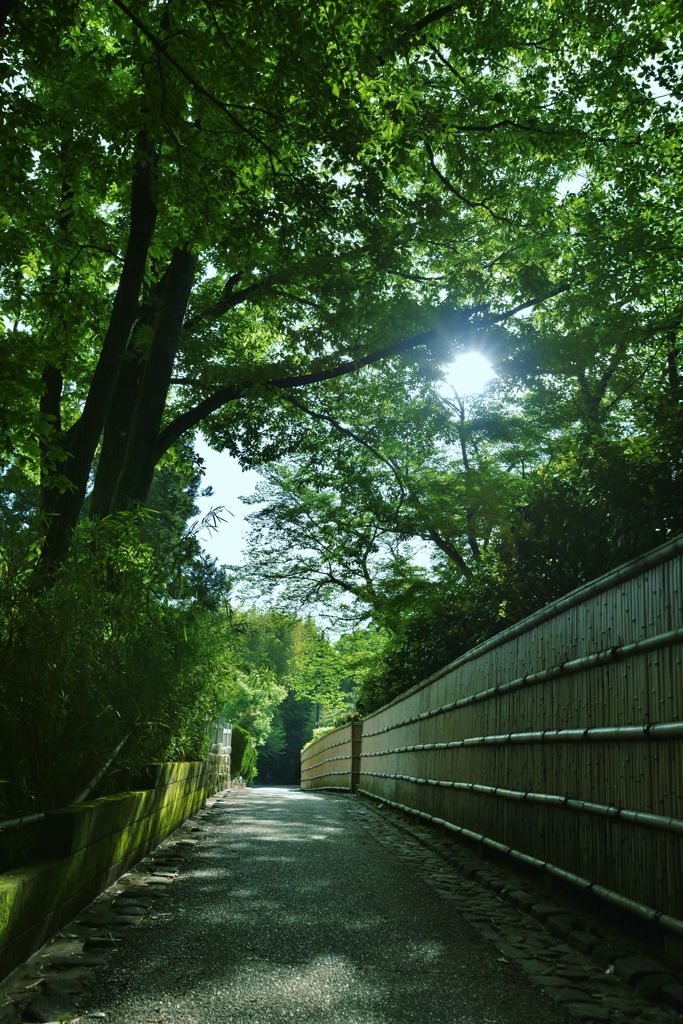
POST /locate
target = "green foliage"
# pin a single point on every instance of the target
(442, 521)
(101, 654)
(243, 755)
(359, 191)
(345, 182)
(279, 759)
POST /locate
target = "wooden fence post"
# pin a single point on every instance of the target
(356, 737)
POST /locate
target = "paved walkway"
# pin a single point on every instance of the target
(291, 908)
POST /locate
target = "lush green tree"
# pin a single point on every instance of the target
(218, 216)
(520, 495)
(207, 207)
(279, 760)
(123, 657)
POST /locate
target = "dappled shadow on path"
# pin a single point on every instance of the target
(294, 911)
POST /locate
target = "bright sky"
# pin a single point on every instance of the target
(229, 482)
(468, 374)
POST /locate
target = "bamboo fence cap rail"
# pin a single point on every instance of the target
(328, 746)
(653, 731)
(664, 553)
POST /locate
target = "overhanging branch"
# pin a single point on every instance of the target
(448, 324)
(470, 203)
(229, 299)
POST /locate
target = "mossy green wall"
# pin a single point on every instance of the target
(108, 836)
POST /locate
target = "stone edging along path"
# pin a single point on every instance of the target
(53, 985)
(596, 977)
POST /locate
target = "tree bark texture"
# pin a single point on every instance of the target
(141, 451)
(119, 420)
(83, 437)
(117, 429)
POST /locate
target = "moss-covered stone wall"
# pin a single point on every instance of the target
(87, 847)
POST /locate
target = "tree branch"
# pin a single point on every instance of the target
(463, 199)
(161, 47)
(227, 301)
(449, 324)
(347, 432)
(450, 551)
(232, 392)
(436, 15)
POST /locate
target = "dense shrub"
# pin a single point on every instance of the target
(97, 654)
(243, 755)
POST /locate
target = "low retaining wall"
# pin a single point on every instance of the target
(88, 846)
(333, 760)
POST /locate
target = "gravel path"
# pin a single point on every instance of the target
(291, 909)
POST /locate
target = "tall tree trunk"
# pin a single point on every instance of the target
(119, 420)
(141, 452)
(82, 438)
(116, 433)
(51, 427)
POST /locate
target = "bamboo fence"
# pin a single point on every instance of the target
(557, 741)
(333, 760)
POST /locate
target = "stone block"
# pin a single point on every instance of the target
(650, 985)
(632, 968)
(542, 911)
(100, 942)
(564, 993)
(581, 941)
(560, 925)
(588, 1011)
(604, 956)
(67, 983)
(42, 1009)
(521, 899)
(673, 996)
(484, 878)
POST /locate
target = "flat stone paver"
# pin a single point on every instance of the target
(292, 910)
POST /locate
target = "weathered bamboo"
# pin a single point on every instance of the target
(674, 825)
(333, 770)
(616, 899)
(559, 738)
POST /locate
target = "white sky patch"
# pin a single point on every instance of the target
(467, 375)
(229, 482)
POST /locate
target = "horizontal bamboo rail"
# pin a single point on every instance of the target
(664, 730)
(637, 817)
(558, 740)
(670, 924)
(615, 654)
